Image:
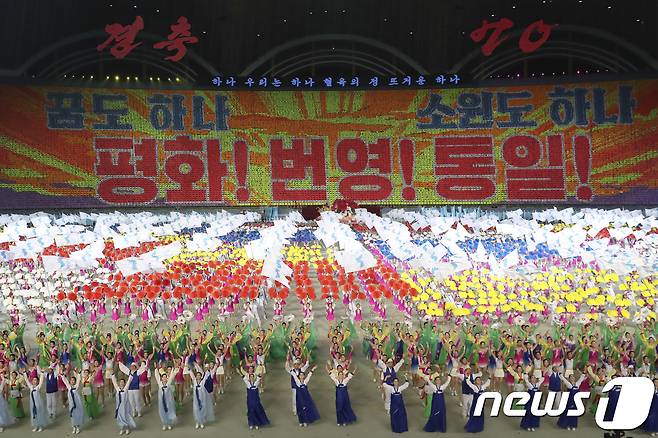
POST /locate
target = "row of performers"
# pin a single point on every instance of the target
(435, 385)
(128, 401)
(82, 406)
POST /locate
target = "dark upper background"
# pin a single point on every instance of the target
(606, 37)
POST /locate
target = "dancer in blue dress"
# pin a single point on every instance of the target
(123, 411)
(437, 419)
(475, 423)
(294, 370)
(256, 416)
(307, 413)
(344, 413)
(38, 412)
(651, 423)
(166, 403)
(388, 374)
(398, 412)
(566, 422)
(76, 408)
(529, 421)
(467, 392)
(6, 417)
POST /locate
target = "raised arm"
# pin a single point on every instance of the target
(471, 385)
(124, 369)
(445, 384)
(66, 382)
(114, 383)
(40, 384)
(27, 381)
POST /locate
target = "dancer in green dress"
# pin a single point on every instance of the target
(15, 400)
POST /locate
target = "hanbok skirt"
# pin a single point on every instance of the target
(475, 423)
(306, 411)
(203, 406)
(398, 414)
(91, 406)
(566, 422)
(436, 422)
(16, 407)
(256, 415)
(344, 412)
(6, 415)
(38, 412)
(76, 409)
(529, 421)
(167, 406)
(123, 412)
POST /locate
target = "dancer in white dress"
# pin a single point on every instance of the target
(123, 411)
(166, 404)
(203, 403)
(38, 411)
(6, 417)
(76, 408)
